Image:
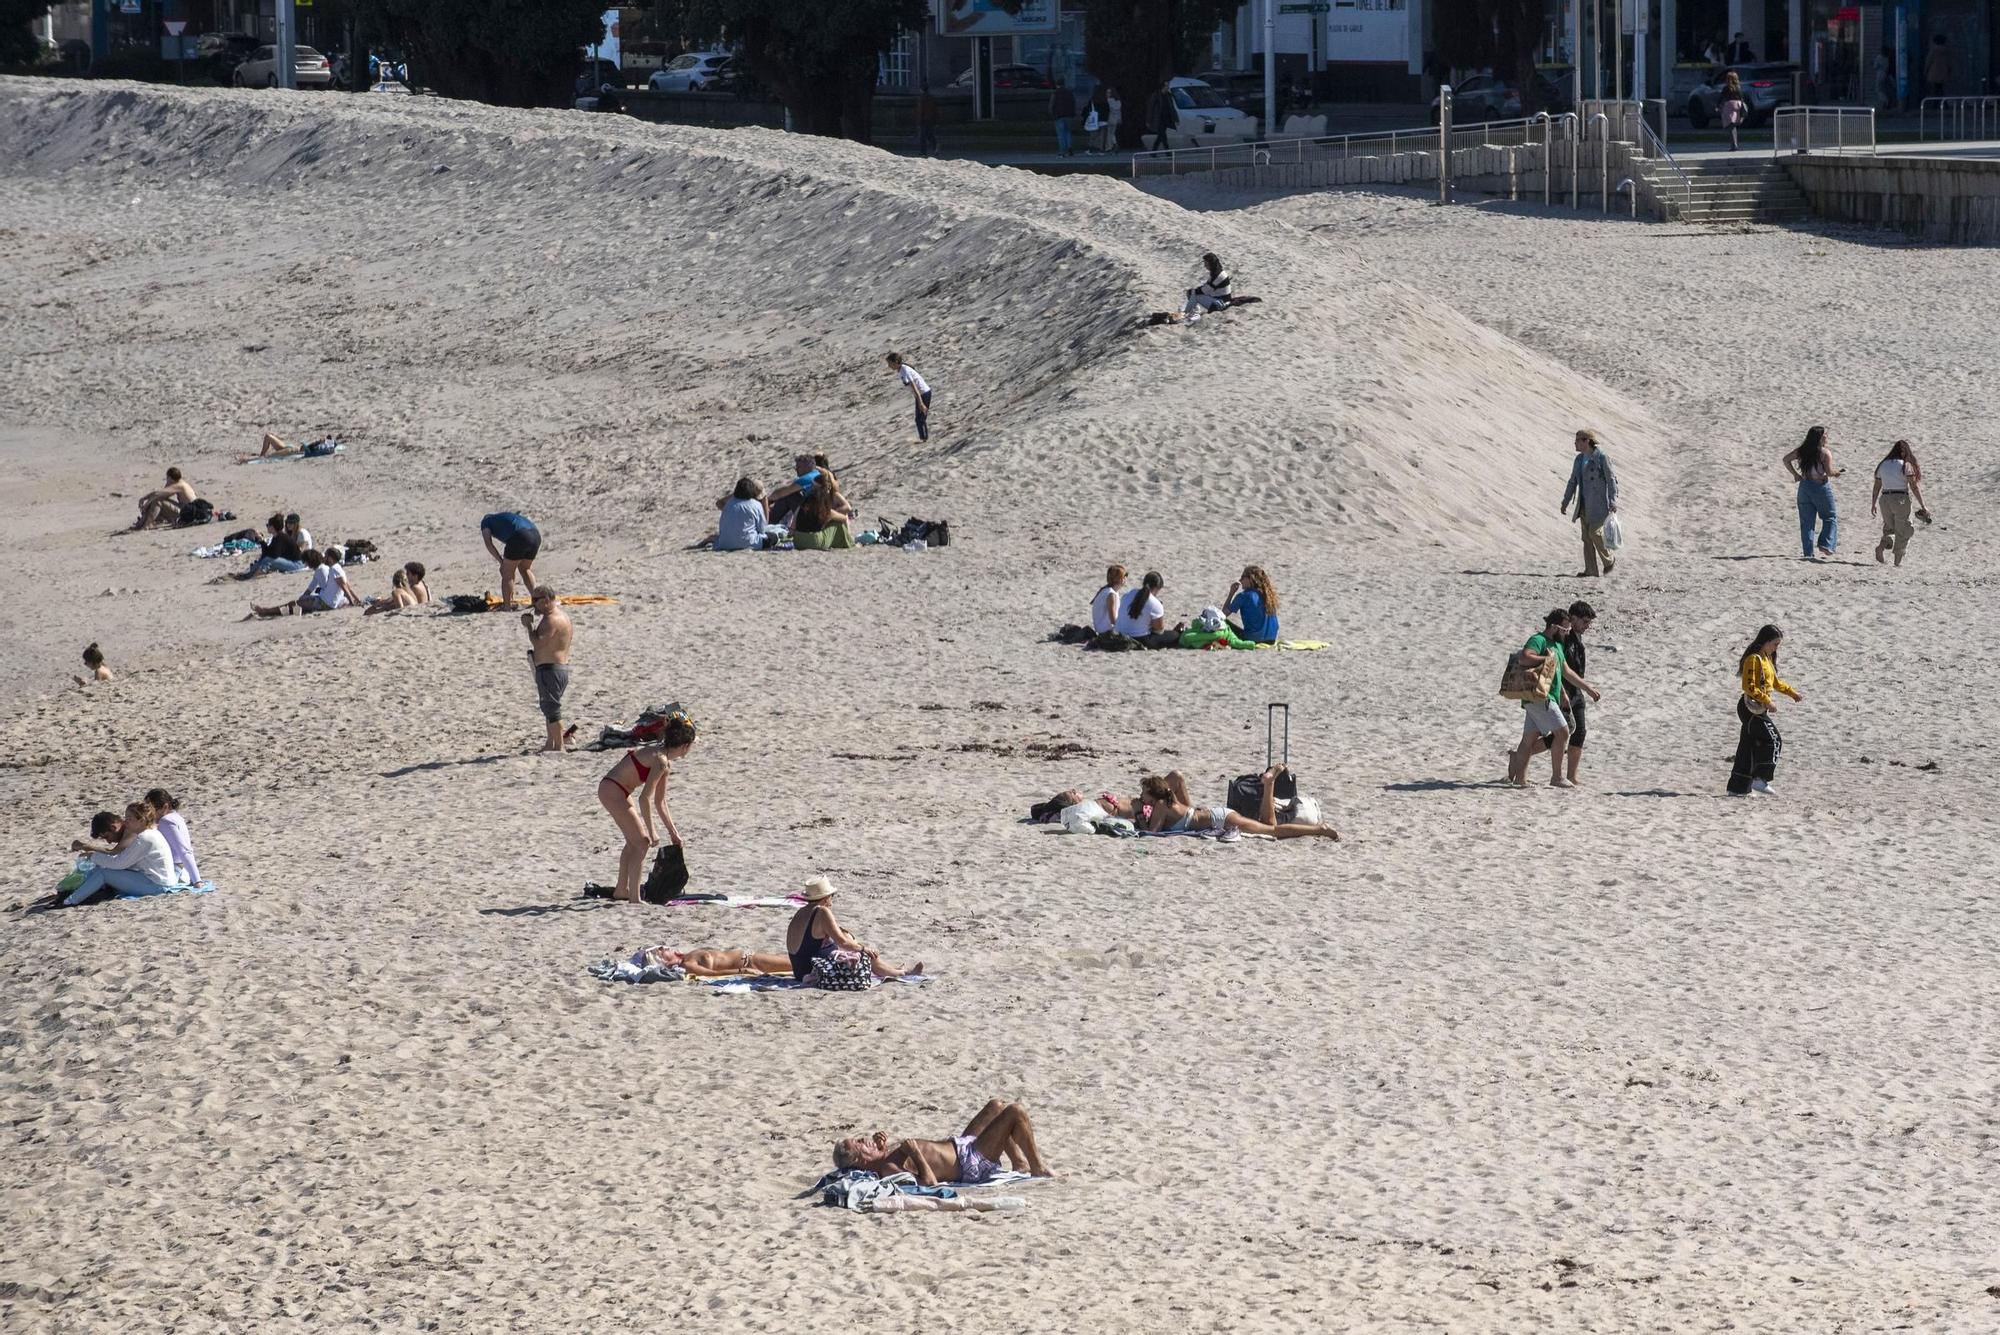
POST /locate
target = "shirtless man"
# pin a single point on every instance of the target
(549, 652)
(971, 1157)
(163, 507)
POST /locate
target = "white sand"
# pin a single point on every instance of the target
(1632, 1058)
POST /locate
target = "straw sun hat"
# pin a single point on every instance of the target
(816, 889)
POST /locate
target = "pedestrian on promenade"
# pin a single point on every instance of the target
(1593, 485)
(1811, 466)
(1757, 741)
(1062, 109)
(927, 122)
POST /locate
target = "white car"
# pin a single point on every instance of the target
(261, 69)
(694, 72)
(1205, 111)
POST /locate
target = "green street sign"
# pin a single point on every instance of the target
(1320, 8)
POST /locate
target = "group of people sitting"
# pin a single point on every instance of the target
(1165, 806)
(810, 509)
(328, 589)
(147, 851)
(1122, 618)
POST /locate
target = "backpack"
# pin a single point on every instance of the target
(200, 510)
(669, 875)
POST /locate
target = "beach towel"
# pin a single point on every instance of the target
(566, 599)
(229, 547)
(767, 982)
(1300, 646)
(592, 890)
(855, 1189)
(637, 968)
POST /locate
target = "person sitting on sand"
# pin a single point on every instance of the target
(417, 576)
(325, 592)
(282, 552)
(813, 932)
(299, 534)
(1104, 606)
(1255, 604)
(162, 508)
(1173, 812)
(744, 518)
(1211, 293)
(711, 962)
(140, 863)
(93, 658)
(972, 1157)
(1143, 618)
(173, 827)
(398, 597)
(634, 788)
(824, 517)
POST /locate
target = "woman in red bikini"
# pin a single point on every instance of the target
(635, 788)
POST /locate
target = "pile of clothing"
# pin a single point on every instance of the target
(914, 535)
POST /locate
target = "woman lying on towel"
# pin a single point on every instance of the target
(711, 962)
(1167, 809)
(971, 1157)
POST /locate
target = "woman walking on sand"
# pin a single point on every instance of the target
(1897, 478)
(1758, 743)
(1811, 466)
(635, 788)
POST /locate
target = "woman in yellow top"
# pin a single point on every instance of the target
(1758, 744)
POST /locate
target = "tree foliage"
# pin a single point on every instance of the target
(513, 53)
(1137, 45)
(18, 45)
(819, 56)
(1501, 34)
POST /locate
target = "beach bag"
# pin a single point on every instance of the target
(1090, 122)
(1523, 680)
(669, 875)
(1732, 112)
(1246, 791)
(842, 971)
(200, 510)
(1614, 534)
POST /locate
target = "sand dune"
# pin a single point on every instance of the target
(1634, 1058)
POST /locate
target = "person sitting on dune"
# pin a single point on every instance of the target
(162, 508)
(1142, 617)
(283, 554)
(93, 658)
(140, 863)
(824, 518)
(1255, 605)
(327, 590)
(813, 932)
(1173, 812)
(396, 599)
(784, 500)
(744, 519)
(972, 1157)
(712, 962)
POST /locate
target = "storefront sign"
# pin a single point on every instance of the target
(1368, 31)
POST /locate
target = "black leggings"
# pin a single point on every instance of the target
(1757, 748)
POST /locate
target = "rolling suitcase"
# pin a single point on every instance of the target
(1246, 792)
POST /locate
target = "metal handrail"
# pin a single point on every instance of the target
(1603, 159)
(1983, 103)
(1573, 134)
(1687, 185)
(1791, 128)
(1630, 187)
(1249, 150)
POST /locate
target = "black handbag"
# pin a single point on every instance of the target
(1246, 791)
(669, 875)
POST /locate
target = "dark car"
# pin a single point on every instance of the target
(1481, 97)
(1009, 76)
(222, 52)
(1765, 88)
(1552, 90)
(1242, 89)
(593, 75)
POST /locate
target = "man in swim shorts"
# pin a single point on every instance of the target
(548, 652)
(968, 1159)
(513, 540)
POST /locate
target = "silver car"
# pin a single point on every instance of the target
(1765, 89)
(261, 69)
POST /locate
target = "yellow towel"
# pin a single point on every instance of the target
(1303, 645)
(566, 599)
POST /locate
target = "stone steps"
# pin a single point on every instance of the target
(1749, 191)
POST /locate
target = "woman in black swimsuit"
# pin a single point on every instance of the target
(634, 789)
(813, 932)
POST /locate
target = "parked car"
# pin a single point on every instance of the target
(1482, 97)
(694, 72)
(1242, 89)
(594, 75)
(1765, 89)
(261, 69)
(222, 52)
(1009, 76)
(1205, 111)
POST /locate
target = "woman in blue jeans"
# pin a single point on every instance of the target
(140, 864)
(1811, 466)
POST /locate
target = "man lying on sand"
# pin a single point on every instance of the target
(972, 1157)
(162, 508)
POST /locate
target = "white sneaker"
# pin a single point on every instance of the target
(1762, 789)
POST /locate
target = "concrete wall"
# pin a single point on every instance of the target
(1954, 200)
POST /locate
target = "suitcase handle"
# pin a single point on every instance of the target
(1271, 733)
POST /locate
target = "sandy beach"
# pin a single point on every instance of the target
(1635, 1057)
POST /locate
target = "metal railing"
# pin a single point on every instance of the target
(1823, 130)
(1650, 141)
(1980, 114)
(1372, 144)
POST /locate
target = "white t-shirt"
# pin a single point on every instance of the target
(1892, 475)
(908, 375)
(1104, 609)
(325, 586)
(147, 854)
(1149, 611)
(305, 538)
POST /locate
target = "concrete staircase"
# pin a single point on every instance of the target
(1750, 189)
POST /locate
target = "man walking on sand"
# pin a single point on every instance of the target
(1062, 108)
(1542, 718)
(549, 652)
(1593, 485)
(513, 540)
